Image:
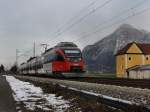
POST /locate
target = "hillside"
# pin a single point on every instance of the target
(100, 56)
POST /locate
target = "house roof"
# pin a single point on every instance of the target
(23, 63)
(124, 49)
(144, 47)
(139, 68)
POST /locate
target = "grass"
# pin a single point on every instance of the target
(103, 75)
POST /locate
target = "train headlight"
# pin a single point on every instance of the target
(74, 59)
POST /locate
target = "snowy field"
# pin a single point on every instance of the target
(34, 98)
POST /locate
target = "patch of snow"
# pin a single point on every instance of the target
(33, 97)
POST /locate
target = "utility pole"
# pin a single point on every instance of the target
(17, 56)
(34, 49)
(17, 51)
(34, 56)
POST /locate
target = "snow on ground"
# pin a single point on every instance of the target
(33, 97)
(135, 95)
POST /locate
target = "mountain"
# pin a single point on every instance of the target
(101, 55)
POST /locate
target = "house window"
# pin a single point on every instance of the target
(129, 58)
(146, 58)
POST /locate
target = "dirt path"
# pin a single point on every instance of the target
(7, 103)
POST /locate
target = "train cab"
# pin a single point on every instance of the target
(63, 59)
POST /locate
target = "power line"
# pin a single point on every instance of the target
(98, 30)
(32, 50)
(131, 15)
(118, 16)
(77, 15)
(17, 51)
(85, 16)
(24, 54)
(88, 14)
(103, 28)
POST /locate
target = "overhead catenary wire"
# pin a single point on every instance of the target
(76, 22)
(103, 28)
(83, 17)
(116, 17)
(26, 53)
(108, 26)
(76, 16)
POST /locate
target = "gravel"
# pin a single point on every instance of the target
(135, 95)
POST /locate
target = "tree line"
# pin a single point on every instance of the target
(13, 69)
(2, 68)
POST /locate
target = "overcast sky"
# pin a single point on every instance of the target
(24, 21)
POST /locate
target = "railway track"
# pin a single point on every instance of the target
(80, 89)
(137, 83)
(123, 105)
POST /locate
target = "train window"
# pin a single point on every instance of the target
(50, 57)
(60, 57)
(146, 58)
(45, 58)
(72, 51)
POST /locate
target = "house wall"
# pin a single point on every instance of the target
(133, 75)
(126, 61)
(120, 65)
(134, 49)
(133, 57)
(147, 59)
(144, 74)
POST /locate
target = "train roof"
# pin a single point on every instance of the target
(47, 50)
(66, 44)
(23, 63)
(63, 48)
(63, 45)
(31, 58)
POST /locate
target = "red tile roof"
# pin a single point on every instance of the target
(145, 48)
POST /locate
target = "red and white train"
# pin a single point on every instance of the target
(65, 59)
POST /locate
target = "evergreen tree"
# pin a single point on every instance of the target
(2, 68)
(14, 69)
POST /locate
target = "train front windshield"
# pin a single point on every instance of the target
(73, 55)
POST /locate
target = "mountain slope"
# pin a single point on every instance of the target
(100, 56)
